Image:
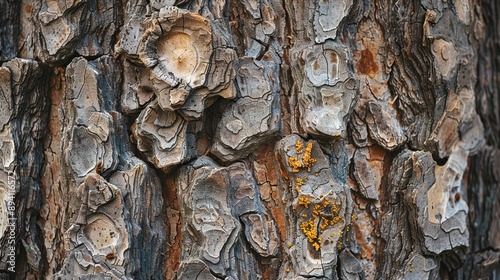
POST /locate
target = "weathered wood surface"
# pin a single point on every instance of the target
(192, 139)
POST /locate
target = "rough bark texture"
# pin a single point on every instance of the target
(252, 139)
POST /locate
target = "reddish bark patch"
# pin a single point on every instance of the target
(367, 64)
(28, 9)
(279, 217)
(266, 272)
(377, 153)
(282, 169)
(366, 249)
(174, 243)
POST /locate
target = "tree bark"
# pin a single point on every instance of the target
(193, 139)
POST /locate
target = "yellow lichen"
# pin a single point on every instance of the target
(307, 159)
(339, 242)
(294, 163)
(304, 201)
(309, 230)
(322, 215)
(324, 224)
(298, 147)
(316, 211)
(300, 183)
(335, 220)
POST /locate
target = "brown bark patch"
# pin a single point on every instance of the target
(279, 217)
(367, 64)
(366, 249)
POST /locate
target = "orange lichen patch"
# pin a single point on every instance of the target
(335, 208)
(340, 245)
(322, 214)
(316, 244)
(28, 9)
(307, 160)
(299, 184)
(304, 201)
(328, 220)
(294, 163)
(325, 203)
(324, 224)
(335, 220)
(298, 147)
(367, 64)
(316, 211)
(310, 231)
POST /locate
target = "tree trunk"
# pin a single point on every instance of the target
(192, 139)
